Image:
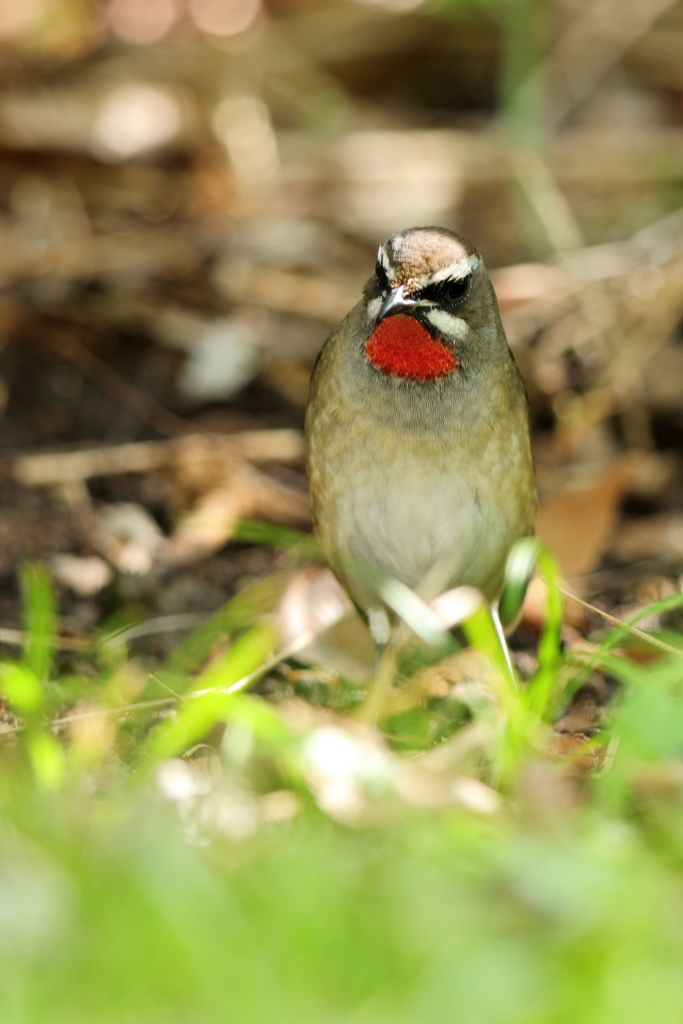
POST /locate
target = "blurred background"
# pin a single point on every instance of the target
(191, 195)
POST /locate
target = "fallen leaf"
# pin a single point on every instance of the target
(86, 576)
(649, 537)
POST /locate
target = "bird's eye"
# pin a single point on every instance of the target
(447, 292)
(382, 279)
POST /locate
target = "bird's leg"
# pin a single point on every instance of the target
(380, 631)
(379, 655)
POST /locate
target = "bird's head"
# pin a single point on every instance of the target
(430, 306)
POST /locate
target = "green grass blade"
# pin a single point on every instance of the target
(542, 685)
(239, 613)
(46, 755)
(620, 633)
(19, 685)
(243, 657)
(519, 570)
(39, 619)
(256, 531)
(196, 716)
(481, 632)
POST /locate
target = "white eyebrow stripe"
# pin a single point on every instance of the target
(383, 259)
(456, 271)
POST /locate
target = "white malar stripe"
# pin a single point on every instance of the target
(451, 326)
(374, 307)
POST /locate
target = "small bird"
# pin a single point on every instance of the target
(417, 429)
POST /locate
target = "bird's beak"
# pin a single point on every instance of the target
(396, 303)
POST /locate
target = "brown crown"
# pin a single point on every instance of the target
(417, 253)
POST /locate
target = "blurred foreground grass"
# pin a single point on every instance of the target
(176, 849)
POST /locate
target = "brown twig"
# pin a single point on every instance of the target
(16, 637)
(291, 649)
(107, 379)
(614, 621)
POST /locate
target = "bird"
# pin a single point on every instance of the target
(418, 447)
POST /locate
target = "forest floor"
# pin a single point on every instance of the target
(211, 808)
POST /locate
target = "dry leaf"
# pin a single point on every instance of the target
(578, 524)
(128, 537)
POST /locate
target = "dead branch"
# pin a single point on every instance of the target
(244, 491)
(286, 292)
(51, 468)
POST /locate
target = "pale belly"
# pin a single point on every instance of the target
(436, 520)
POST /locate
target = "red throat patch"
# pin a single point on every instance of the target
(402, 347)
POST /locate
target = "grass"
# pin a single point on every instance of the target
(182, 850)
